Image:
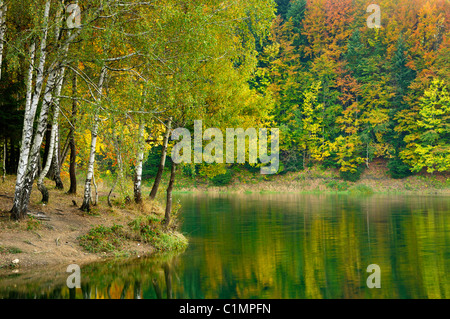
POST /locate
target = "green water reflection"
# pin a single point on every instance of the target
(280, 246)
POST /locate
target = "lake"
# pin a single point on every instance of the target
(278, 246)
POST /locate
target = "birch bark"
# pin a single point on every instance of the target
(40, 181)
(37, 141)
(30, 113)
(94, 133)
(3, 10)
(54, 83)
(56, 166)
(140, 159)
(53, 141)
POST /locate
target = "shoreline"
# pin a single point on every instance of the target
(374, 180)
(56, 241)
(59, 234)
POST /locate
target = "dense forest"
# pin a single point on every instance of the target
(345, 93)
(97, 86)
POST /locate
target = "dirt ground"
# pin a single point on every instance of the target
(52, 242)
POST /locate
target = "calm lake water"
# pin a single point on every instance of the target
(279, 246)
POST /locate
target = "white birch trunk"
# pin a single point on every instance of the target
(59, 184)
(29, 157)
(95, 202)
(30, 113)
(40, 181)
(140, 159)
(90, 169)
(27, 131)
(3, 9)
(37, 141)
(53, 148)
(56, 164)
(55, 80)
(90, 173)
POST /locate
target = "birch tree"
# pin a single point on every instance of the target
(40, 181)
(48, 74)
(72, 168)
(53, 148)
(3, 10)
(139, 162)
(32, 98)
(94, 134)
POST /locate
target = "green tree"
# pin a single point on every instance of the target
(428, 146)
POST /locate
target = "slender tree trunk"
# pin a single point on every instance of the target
(140, 159)
(73, 155)
(119, 164)
(48, 163)
(39, 168)
(90, 173)
(47, 147)
(162, 163)
(52, 157)
(57, 171)
(90, 169)
(65, 151)
(57, 166)
(73, 168)
(94, 203)
(169, 195)
(54, 137)
(111, 191)
(3, 9)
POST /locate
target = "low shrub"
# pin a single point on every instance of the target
(102, 239)
(148, 229)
